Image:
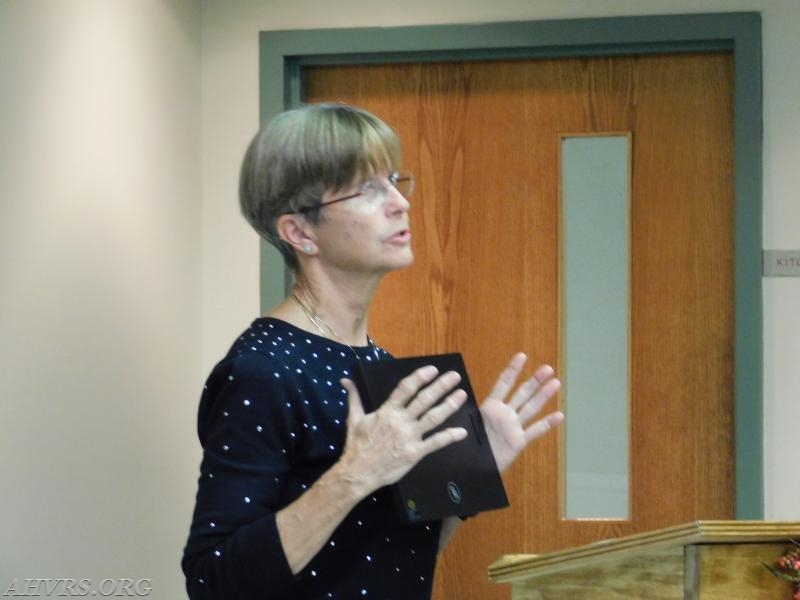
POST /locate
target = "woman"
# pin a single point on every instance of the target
(292, 500)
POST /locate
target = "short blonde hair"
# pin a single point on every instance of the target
(301, 154)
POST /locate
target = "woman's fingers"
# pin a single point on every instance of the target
(431, 395)
(410, 385)
(416, 399)
(508, 378)
(443, 438)
(543, 373)
(385, 444)
(542, 426)
(421, 390)
(442, 411)
(531, 387)
(523, 393)
(535, 402)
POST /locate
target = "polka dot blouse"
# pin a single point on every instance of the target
(272, 419)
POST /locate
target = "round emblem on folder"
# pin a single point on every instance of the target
(454, 492)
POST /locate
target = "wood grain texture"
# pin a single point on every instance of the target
(706, 560)
(515, 567)
(657, 576)
(723, 572)
(483, 141)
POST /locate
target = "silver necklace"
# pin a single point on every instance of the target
(318, 322)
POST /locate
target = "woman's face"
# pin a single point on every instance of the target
(368, 231)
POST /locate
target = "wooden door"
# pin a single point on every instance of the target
(483, 139)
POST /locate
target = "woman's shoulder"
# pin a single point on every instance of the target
(266, 340)
(270, 348)
(253, 372)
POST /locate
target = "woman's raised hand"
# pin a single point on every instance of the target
(506, 418)
(384, 445)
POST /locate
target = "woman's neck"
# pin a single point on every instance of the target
(334, 308)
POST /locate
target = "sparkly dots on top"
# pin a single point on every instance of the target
(272, 419)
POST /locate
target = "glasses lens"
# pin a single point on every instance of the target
(404, 182)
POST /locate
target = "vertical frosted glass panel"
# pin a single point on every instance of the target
(595, 230)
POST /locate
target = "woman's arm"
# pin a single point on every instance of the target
(238, 547)
(380, 448)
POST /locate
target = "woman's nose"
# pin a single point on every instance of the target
(395, 201)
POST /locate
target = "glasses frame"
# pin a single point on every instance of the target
(394, 178)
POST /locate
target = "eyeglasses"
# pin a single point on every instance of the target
(373, 191)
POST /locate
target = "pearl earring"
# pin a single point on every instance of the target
(308, 248)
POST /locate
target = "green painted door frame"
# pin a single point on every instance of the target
(284, 54)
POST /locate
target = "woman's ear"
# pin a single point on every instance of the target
(295, 231)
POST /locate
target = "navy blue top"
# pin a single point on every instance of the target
(272, 419)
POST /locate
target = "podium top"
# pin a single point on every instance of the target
(511, 567)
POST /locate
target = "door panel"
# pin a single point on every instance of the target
(483, 139)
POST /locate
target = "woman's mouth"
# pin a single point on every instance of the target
(400, 238)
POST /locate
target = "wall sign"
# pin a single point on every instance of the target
(781, 263)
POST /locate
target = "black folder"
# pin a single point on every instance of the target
(459, 480)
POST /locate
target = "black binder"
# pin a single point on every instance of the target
(461, 479)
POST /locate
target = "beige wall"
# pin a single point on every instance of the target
(126, 270)
(99, 287)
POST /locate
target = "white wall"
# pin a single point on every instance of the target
(99, 288)
(230, 117)
(121, 284)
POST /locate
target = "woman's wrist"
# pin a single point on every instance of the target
(306, 525)
(349, 480)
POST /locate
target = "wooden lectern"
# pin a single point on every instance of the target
(705, 560)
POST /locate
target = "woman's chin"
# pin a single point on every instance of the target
(407, 260)
(399, 262)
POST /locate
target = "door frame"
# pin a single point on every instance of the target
(283, 55)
